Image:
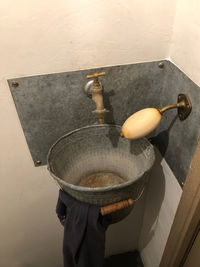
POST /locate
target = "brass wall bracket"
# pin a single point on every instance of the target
(183, 105)
(185, 109)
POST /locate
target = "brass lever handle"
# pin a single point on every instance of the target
(96, 75)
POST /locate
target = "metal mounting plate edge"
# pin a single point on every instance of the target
(184, 111)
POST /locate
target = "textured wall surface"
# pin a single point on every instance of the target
(54, 36)
(177, 140)
(49, 106)
(184, 51)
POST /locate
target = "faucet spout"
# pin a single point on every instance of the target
(97, 97)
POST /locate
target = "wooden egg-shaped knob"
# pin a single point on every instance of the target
(141, 123)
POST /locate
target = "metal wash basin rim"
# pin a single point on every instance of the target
(98, 189)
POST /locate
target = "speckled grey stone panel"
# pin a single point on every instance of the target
(175, 139)
(51, 105)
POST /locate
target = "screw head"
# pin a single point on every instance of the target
(15, 84)
(38, 162)
(161, 65)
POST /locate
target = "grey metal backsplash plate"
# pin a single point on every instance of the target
(51, 105)
(175, 139)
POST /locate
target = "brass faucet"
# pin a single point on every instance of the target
(97, 97)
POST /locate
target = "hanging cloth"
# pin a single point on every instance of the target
(84, 232)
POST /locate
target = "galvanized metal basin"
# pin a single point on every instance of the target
(100, 149)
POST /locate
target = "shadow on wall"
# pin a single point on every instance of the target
(124, 235)
(110, 117)
(157, 181)
(154, 199)
(161, 141)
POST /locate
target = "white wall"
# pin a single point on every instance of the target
(40, 37)
(30, 233)
(52, 36)
(162, 199)
(185, 45)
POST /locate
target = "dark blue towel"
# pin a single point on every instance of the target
(84, 232)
